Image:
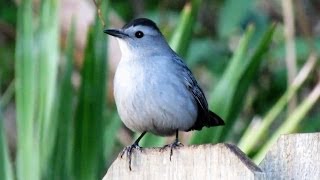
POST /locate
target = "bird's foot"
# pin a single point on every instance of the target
(129, 150)
(174, 145)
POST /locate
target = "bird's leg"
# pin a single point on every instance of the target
(129, 149)
(173, 145)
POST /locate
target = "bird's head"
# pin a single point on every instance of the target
(140, 37)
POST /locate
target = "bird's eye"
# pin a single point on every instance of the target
(139, 34)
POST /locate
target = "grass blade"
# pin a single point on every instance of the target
(6, 172)
(229, 95)
(245, 80)
(181, 38)
(61, 158)
(231, 15)
(252, 135)
(48, 41)
(7, 95)
(89, 122)
(111, 132)
(25, 75)
(291, 123)
(228, 80)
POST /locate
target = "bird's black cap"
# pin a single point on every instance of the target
(142, 22)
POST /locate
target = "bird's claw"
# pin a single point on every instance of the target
(129, 150)
(172, 146)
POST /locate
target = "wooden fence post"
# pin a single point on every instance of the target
(295, 156)
(220, 161)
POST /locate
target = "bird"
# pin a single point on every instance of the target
(154, 90)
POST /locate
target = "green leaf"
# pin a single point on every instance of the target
(253, 135)
(182, 36)
(25, 75)
(250, 72)
(223, 94)
(61, 158)
(229, 95)
(291, 123)
(7, 95)
(111, 132)
(231, 15)
(5, 165)
(151, 140)
(89, 122)
(48, 61)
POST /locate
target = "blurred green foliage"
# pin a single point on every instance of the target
(70, 131)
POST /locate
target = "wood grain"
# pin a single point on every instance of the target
(294, 156)
(220, 161)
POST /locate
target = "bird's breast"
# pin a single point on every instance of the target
(151, 96)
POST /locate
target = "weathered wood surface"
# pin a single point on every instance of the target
(220, 161)
(295, 156)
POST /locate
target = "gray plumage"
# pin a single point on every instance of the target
(154, 90)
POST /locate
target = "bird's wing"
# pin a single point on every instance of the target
(193, 87)
(205, 117)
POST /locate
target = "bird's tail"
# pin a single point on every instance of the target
(215, 120)
(212, 120)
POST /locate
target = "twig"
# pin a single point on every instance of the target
(98, 4)
(289, 31)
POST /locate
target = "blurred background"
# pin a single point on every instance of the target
(257, 62)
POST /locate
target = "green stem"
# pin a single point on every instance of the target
(291, 123)
(253, 135)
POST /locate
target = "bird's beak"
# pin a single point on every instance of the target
(116, 33)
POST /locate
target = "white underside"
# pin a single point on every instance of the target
(151, 96)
